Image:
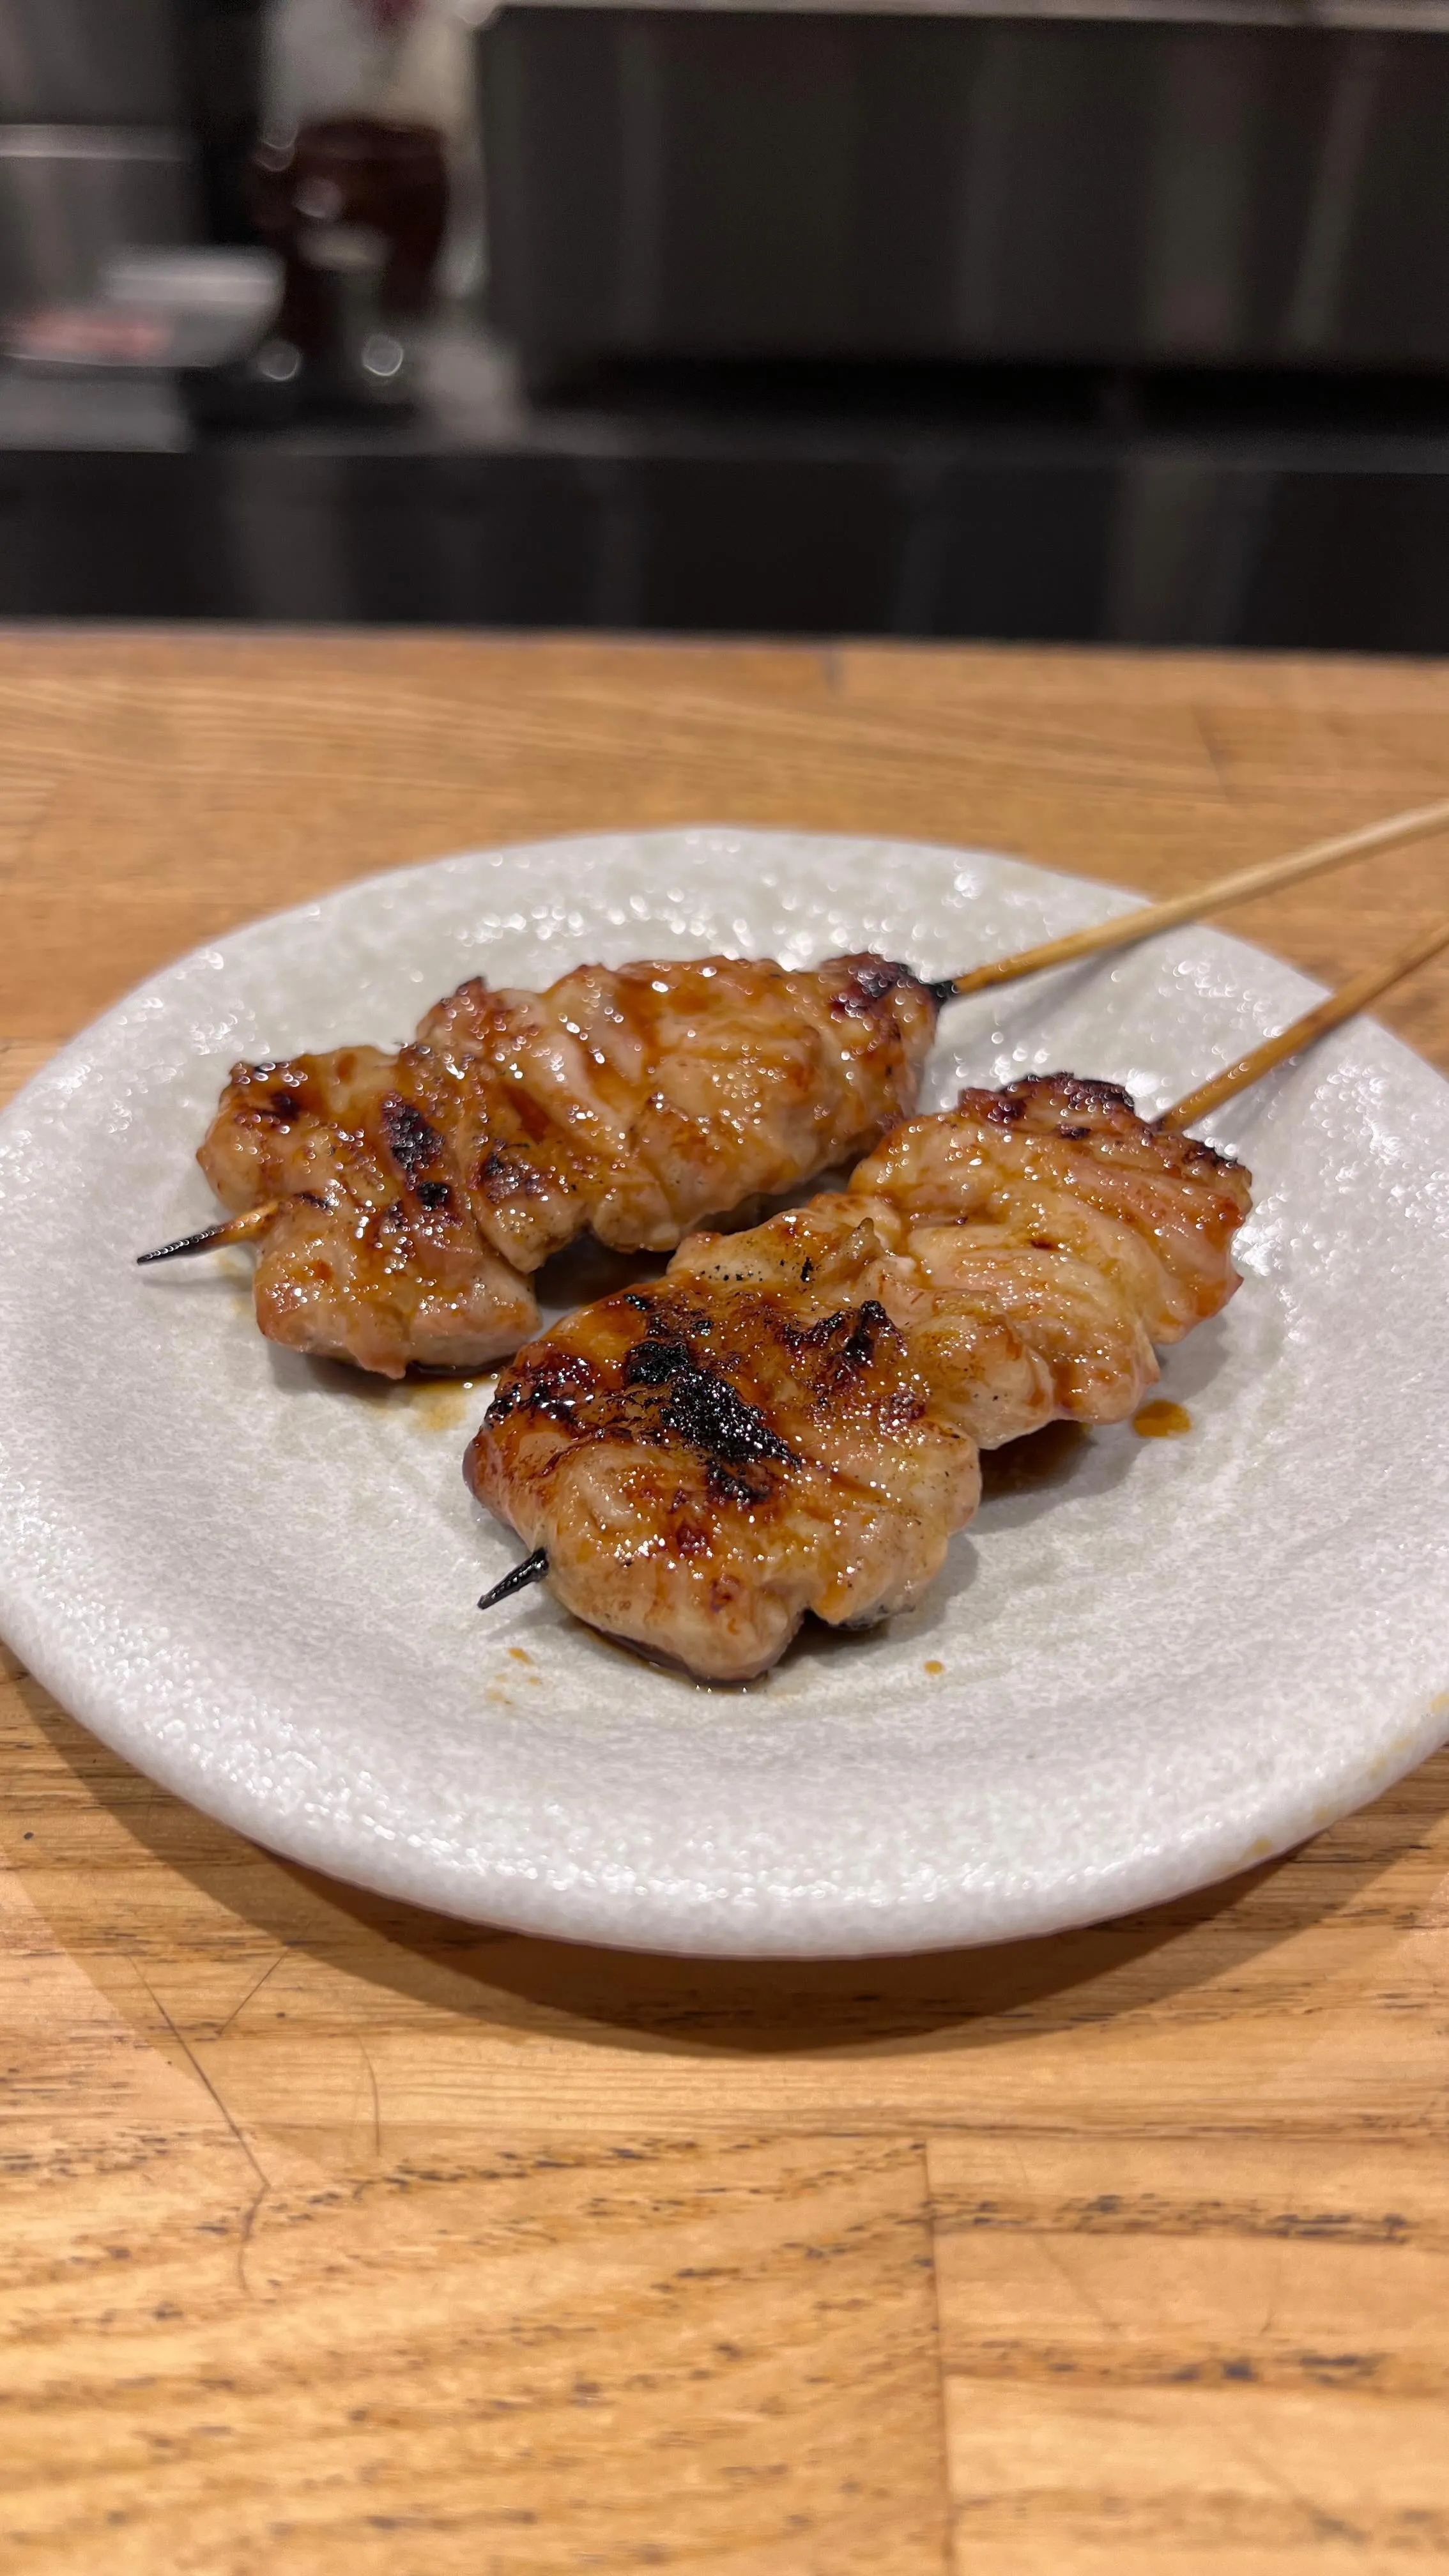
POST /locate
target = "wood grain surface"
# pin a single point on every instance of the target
(342, 2240)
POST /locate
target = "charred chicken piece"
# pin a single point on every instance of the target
(415, 1192)
(790, 1420)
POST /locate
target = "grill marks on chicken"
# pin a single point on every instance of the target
(375, 1254)
(418, 1190)
(791, 1419)
(705, 1467)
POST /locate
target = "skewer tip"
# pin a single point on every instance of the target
(230, 1229)
(532, 1570)
(210, 1239)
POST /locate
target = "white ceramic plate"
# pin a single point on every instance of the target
(1148, 1662)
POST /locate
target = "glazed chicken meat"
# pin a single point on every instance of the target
(400, 1201)
(791, 1419)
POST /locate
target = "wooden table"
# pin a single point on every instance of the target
(339, 2237)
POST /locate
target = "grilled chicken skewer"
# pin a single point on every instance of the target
(791, 1419)
(399, 1203)
(405, 1199)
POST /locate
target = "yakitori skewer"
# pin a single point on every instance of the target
(399, 1202)
(791, 1419)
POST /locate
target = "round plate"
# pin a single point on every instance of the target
(1148, 1662)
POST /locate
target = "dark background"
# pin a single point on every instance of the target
(958, 326)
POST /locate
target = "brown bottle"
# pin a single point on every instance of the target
(356, 207)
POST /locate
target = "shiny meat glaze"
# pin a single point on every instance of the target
(706, 1467)
(419, 1189)
(791, 1419)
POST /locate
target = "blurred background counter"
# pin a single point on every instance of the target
(1105, 322)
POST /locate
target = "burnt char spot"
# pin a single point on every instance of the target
(1078, 1091)
(1074, 1135)
(654, 1363)
(1198, 1152)
(286, 1104)
(506, 1174)
(703, 1408)
(871, 978)
(871, 1322)
(1072, 1092)
(850, 1338)
(813, 1337)
(862, 1326)
(733, 1438)
(554, 1387)
(434, 1194)
(412, 1143)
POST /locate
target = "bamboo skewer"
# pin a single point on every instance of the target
(232, 1229)
(1342, 1005)
(1126, 928)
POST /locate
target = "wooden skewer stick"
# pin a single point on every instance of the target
(1342, 1005)
(233, 1229)
(1126, 928)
